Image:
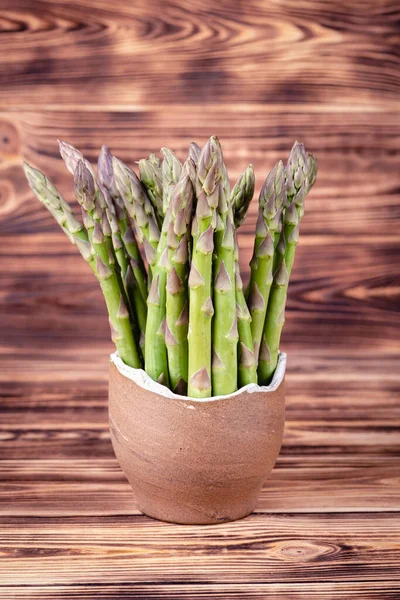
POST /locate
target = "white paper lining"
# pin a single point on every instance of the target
(141, 378)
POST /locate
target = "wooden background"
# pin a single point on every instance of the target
(260, 74)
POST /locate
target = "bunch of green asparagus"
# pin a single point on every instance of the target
(164, 249)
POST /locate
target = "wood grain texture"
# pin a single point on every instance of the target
(138, 75)
(265, 548)
(200, 50)
(375, 590)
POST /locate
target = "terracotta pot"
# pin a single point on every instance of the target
(195, 461)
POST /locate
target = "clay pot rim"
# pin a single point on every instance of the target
(141, 378)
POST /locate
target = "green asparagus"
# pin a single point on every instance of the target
(247, 366)
(271, 201)
(298, 177)
(152, 178)
(201, 309)
(124, 234)
(177, 298)
(182, 312)
(171, 170)
(47, 193)
(224, 325)
(242, 195)
(139, 209)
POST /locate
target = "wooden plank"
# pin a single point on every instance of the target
(290, 548)
(308, 437)
(138, 51)
(300, 483)
(51, 401)
(349, 142)
(357, 590)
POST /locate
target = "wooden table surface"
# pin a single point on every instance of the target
(260, 74)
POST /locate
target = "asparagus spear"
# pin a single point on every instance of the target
(128, 267)
(139, 209)
(125, 234)
(247, 366)
(298, 179)
(224, 325)
(208, 191)
(177, 307)
(171, 170)
(93, 207)
(271, 200)
(101, 235)
(152, 178)
(156, 360)
(59, 208)
(92, 253)
(242, 195)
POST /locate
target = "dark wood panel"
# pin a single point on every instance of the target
(358, 145)
(76, 52)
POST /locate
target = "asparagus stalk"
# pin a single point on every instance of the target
(94, 254)
(59, 208)
(171, 170)
(224, 325)
(125, 234)
(152, 178)
(275, 317)
(156, 357)
(177, 299)
(271, 202)
(113, 233)
(208, 191)
(156, 360)
(139, 209)
(94, 205)
(121, 332)
(247, 366)
(242, 195)
(298, 177)
(128, 266)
